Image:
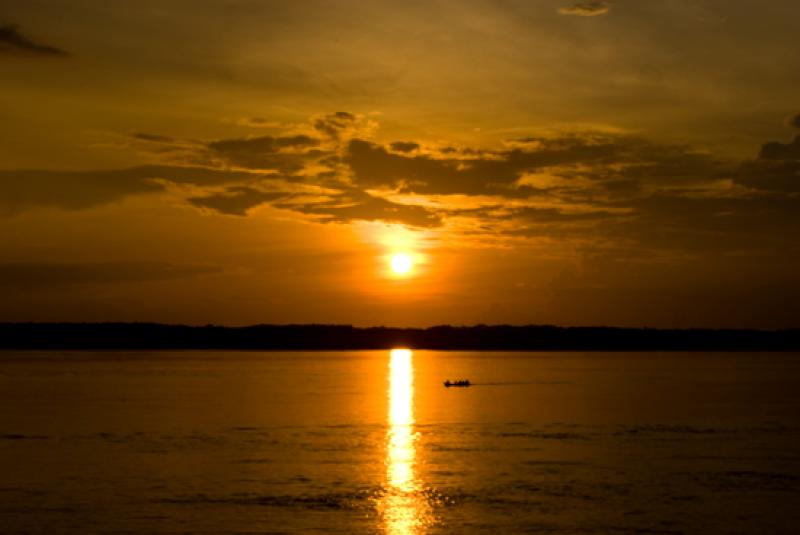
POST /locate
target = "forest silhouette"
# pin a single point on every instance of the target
(346, 337)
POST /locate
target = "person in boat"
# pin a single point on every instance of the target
(461, 382)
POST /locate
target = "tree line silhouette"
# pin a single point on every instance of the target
(331, 337)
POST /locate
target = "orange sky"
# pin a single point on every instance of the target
(235, 162)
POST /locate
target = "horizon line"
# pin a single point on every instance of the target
(395, 327)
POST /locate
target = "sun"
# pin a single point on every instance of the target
(401, 263)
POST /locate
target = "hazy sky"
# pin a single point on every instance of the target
(631, 163)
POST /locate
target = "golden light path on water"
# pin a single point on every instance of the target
(404, 507)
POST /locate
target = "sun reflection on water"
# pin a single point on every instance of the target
(404, 507)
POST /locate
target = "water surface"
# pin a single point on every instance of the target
(371, 442)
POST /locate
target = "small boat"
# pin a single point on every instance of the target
(460, 382)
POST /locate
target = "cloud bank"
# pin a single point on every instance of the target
(586, 9)
(591, 189)
(12, 42)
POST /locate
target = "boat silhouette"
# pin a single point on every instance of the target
(461, 382)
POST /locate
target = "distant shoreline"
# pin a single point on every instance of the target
(152, 336)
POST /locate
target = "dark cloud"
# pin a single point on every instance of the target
(586, 9)
(795, 121)
(663, 221)
(404, 146)
(374, 166)
(777, 168)
(554, 215)
(358, 205)
(153, 138)
(32, 275)
(554, 223)
(705, 224)
(338, 207)
(778, 176)
(332, 125)
(13, 42)
(619, 160)
(781, 151)
(284, 154)
(663, 224)
(75, 190)
(614, 189)
(236, 200)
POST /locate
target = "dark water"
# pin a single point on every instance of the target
(363, 442)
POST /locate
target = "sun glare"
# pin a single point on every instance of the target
(401, 263)
(405, 508)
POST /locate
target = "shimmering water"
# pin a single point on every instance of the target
(371, 442)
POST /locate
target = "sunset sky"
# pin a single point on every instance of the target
(631, 163)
